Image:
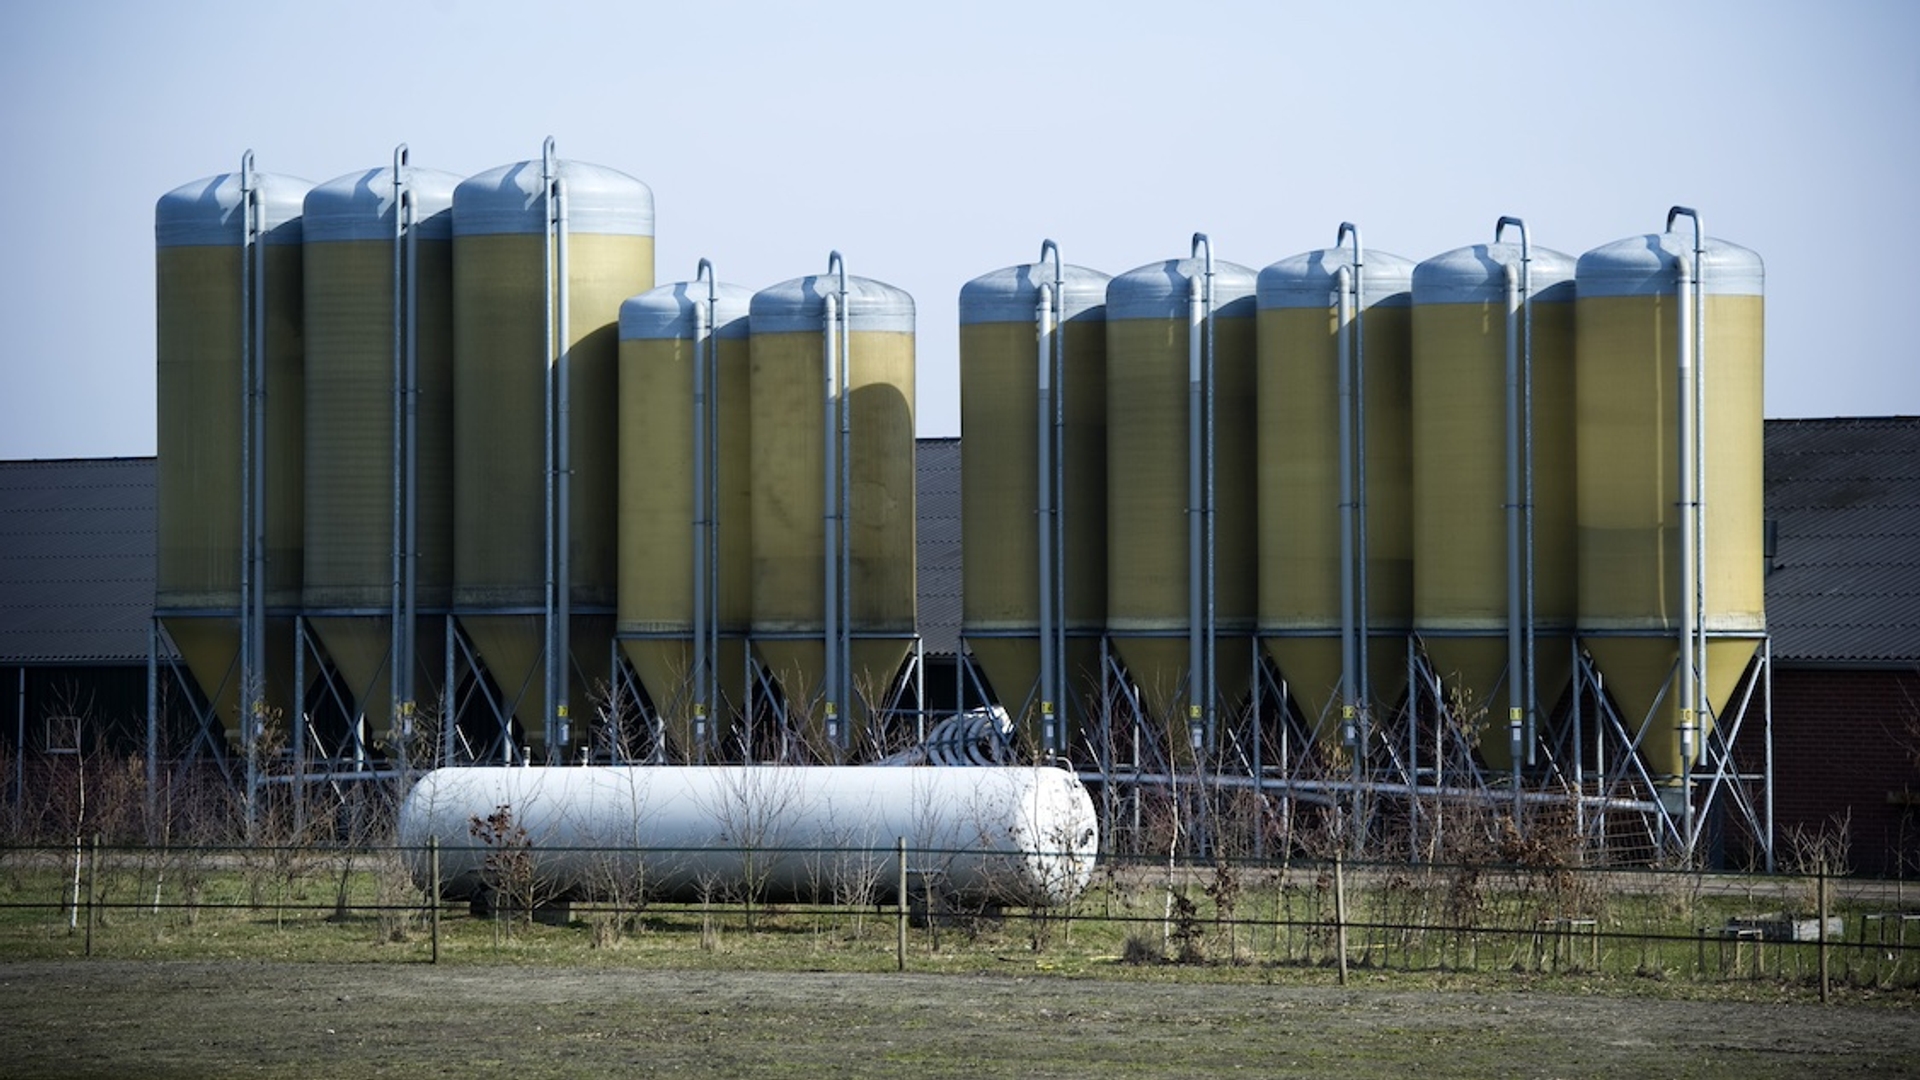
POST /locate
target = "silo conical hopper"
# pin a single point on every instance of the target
(205, 284)
(511, 287)
(1300, 454)
(678, 423)
(1150, 376)
(1632, 564)
(379, 422)
(1468, 574)
(789, 435)
(1003, 425)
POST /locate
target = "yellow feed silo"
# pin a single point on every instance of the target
(1649, 338)
(1483, 319)
(1158, 595)
(544, 252)
(229, 386)
(1311, 564)
(833, 563)
(1033, 406)
(378, 261)
(685, 504)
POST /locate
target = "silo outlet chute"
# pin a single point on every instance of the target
(1180, 488)
(1493, 509)
(1033, 488)
(544, 252)
(378, 261)
(1335, 477)
(831, 419)
(685, 503)
(229, 388)
(1669, 334)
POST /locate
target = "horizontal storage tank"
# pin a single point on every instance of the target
(1002, 425)
(679, 421)
(205, 280)
(787, 388)
(508, 282)
(379, 419)
(1631, 558)
(1024, 837)
(1150, 370)
(1300, 453)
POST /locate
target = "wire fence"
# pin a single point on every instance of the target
(382, 903)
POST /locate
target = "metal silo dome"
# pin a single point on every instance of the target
(685, 501)
(1635, 437)
(210, 470)
(873, 577)
(1470, 584)
(1152, 372)
(378, 262)
(1303, 559)
(1026, 460)
(524, 306)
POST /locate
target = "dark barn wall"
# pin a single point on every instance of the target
(1846, 747)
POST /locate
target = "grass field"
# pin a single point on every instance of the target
(248, 964)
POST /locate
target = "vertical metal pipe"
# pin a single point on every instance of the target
(1044, 331)
(1689, 694)
(410, 614)
(153, 733)
(703, 578)
(1209, 445)
(1531, 631)
(549, 361)
(844, 643)
(1516, 704)
(1059, 487)
(396, 596)
(1696, 553)
(253, 478)
(563, 447)
(1196, 510)
(1349, 623)
(1362, 605)
(834, 327)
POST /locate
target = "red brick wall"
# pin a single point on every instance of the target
(1843, 741)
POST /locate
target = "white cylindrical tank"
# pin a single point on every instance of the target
(1014, 836)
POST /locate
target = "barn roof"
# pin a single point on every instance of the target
(1843, 501)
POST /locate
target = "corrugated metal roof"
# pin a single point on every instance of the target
(937, 493)
(1844, 583)
(77, 542)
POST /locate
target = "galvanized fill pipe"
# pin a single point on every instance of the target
(254, 621)
(1210, 642)
(1043, 516)
(1343, 303)
(1196, 378)
(836, 327)
(410, 617)
(1357, 325)
(1689, 693)
(1697, 553)
(396, 644)
(563, 445)
(845, 496)
(1516, 703)
(1530, 697)
(1052, 481)
(1059, 479)
(705, 358)
(548, 645)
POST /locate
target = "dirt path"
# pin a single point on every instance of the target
(132, 1019)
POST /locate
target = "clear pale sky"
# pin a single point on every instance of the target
(931, 143)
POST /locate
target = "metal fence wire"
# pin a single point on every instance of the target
(1340, 915)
